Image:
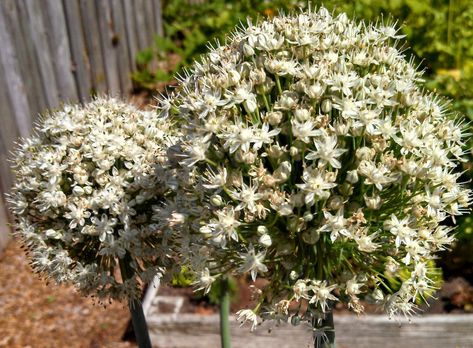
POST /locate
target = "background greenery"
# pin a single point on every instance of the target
(439, 36)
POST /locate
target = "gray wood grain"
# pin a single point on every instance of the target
(31, 72)
(26, 63)
(10, 61)
(434, 331)
(107, 37)
(4, 226)
(54, 51)
(130, 27)
(8, 131)
(120, 45)
(53, 14)
(149, 21)
(158, 17)
(37, 32)
(80, 59)
(93, 45)
(140, 21)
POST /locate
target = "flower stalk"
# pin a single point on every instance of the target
(225, 336)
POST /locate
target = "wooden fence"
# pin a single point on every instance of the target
(54, 51)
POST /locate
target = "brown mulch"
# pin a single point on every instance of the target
(36, 315)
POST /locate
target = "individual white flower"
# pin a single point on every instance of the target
(247, 315)
(353, 288)
(316, 185)
(204, 281)
(253, 262)
(375, 175)
(400, 228)
(301, 289)
(225, 227)
(248, 196)
(335, 224)
(327, 152)
(322, 295)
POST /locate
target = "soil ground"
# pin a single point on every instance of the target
(36, 315)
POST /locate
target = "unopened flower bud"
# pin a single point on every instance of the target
(261, 230)
(283, 171)
(233, 77)
(302, 115)
(284, 248)
(274, 117)
(352, 176)
(248, 50)
(216, 200)
(326, 106)
(308, 216)
(335, 202)
(78, 191)
(378, 295)
(285, 209)
(265, 240)
(373, 202)
(365, 153)
(293, 151)
(275, 151)
(341, 128)
(346, 189)
(315, 91)
(293, 275)
(258, 76)
(311, 236)
(288, 100)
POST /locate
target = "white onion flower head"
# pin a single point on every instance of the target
(88, 186)
(328, 141)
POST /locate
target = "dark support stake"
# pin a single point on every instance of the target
(136, 309)
(139, 324)
(224, 313)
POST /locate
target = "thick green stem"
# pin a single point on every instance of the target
(324, 331)
(224, 313)
(136, 309)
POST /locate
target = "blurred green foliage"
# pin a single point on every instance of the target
(183, 279)
(403, 274)
(439, 36)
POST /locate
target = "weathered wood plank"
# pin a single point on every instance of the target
(26, 64)
(150, 22)
(53, 14)
(12, 76)
(8, 134)
(8, 128)
(37, 32)
(120, 45)
(140, 23)
(93, 45)
(80, 58)
(434, 331)
(158, 17)
(32, 69)
(130, 28)
(108, 37)
(4, 227)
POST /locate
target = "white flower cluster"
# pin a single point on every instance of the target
(323, 166)
(89, 186)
